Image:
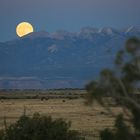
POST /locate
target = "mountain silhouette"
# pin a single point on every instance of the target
(61, 59)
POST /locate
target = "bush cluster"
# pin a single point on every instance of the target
(39, 128)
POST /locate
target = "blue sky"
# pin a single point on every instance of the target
(71, 15)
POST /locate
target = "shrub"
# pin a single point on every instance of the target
(122, 84)
(121, 132)
(106, 134)
(39, 128)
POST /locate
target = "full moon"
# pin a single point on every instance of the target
(24, 28)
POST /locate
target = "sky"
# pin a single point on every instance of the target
(70, 15)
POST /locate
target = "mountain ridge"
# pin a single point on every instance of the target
(61, 59)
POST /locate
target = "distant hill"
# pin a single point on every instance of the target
(61, 59)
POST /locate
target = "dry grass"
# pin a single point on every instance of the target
(86, 119)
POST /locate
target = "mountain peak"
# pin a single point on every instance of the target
(86, 32)
(89, 30)
(132, 29)
(40, 34)
(106, 30)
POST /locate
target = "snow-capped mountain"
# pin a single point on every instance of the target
(133, 29)
(61, 59)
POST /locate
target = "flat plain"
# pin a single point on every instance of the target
(88, 120)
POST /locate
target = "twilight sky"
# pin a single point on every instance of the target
(71, 15)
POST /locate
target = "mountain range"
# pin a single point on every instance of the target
(62, 59)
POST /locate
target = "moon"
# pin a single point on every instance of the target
(24, 28)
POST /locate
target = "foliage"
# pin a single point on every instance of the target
(107, 134)
(122, 83)
(121, 132)
(39, 128)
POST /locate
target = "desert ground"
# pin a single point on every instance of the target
(88, 120)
